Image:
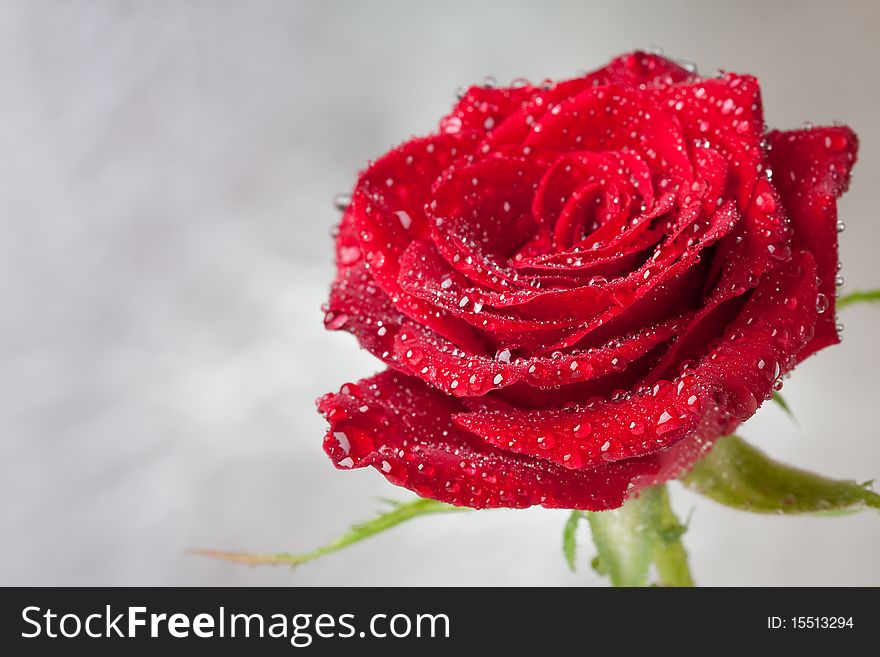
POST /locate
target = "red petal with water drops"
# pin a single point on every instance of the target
(763, 342)
(466, 374)
(387, 214)
(643, 68)
(358, 306)
(482, 108)
(600, 431)
(481, 215)
(613, 119)
(405, 430)
(811, 169)
(727, 114)
(637, 70)
(731, 381)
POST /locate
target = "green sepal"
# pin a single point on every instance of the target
(779, 400)
(740, 476)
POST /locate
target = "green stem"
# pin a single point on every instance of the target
(643, 531)
(670, 557)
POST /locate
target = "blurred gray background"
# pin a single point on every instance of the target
(168, 170)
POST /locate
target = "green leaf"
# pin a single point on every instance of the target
(740, 476)
(859, 296)
(400, 512)
(569, 538)
(779, 400)
(641, 532)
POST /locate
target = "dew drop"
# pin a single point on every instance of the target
(572, 461)
(537, 371)
(348, 255)
(335, 322)
(765, 202)
(583, 429)
(835, 142)
(666, 423)
(779, 251)
(343, 441)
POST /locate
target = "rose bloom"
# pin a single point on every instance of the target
(578, 287)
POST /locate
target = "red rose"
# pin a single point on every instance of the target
(578, 287)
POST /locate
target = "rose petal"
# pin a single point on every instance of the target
(759, 243)
(466, 374)
(811, 169)
(730, 382)
(641, 68)
(601, 431)
(358, 306)
(728, 114)
(387, 217)
(635, 70)
(405, 430)
(611, 119)
(481, 215)
(483, 108)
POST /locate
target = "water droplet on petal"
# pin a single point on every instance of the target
(583, 429)
(835, 142)
(765, 202)
(335, 322)
(779, 251)
(343, 441)
(503, 356)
